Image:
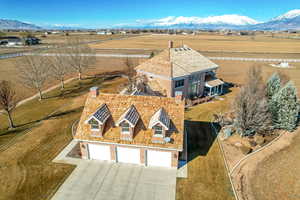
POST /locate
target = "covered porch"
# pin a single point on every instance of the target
(214, 87)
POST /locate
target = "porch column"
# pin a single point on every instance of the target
(210, 91)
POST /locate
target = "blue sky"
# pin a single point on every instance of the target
(99, 13)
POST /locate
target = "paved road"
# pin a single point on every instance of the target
(102, 180)
(13, 55)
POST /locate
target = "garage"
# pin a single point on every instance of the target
(159, 158)
(128, 155)
(99, 152)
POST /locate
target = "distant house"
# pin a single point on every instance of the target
(181, 70)
(144, 130)
(104, 33)
(11, 41)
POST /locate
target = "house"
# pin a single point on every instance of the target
(104, 33)
(180, 70)
(144, 130)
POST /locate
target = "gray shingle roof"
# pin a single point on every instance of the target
(101, 115)
(161, 116)
(131, 116)
(186, 61)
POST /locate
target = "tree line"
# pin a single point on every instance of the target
(34, 70)
(262, 106)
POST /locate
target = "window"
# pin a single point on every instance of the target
(179, 83)
(125, 127)
(94, 124)
(158, 131)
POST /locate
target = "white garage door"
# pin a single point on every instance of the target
(128, 155)
(99, 152)
(159, 158)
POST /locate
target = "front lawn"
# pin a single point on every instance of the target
(26, 168)
(207, 176)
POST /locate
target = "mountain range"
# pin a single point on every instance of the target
(17, 25)
(287, 21)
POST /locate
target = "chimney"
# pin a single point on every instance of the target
(94, 91)
(170, 44)
(178, 96)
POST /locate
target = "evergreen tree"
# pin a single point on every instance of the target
(286, 102)
(273, 85)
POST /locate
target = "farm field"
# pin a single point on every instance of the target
(251, 55)
(53, 39)
(209, 42)
(235, 71)
(27, 170)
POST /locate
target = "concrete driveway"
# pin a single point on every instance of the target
(93, 180)
(97, 180)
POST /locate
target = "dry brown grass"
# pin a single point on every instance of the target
(278, 176)
(26, 167)
(207, 177)
(235, 71)
(61, 38)
(209, 42)
(9, 71)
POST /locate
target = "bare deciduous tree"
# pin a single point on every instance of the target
(251, 108)
(8, 100)
(34, 71)
(284, 78)
(130, 73)
(59, 67)
(80, 56)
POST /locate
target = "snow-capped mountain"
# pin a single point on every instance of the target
(14, 24)
(287, 21)
(289, 15)
(214, 22)
(224, 19)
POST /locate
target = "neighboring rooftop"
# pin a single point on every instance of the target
(176, 62)
(168, 111)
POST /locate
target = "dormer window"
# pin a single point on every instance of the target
(94, 125)
(127, 123)
(125, 128)
(160, 124)
(97, 121)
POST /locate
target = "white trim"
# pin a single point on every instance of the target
(129, 145)
(158, 122)
(120, 122)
